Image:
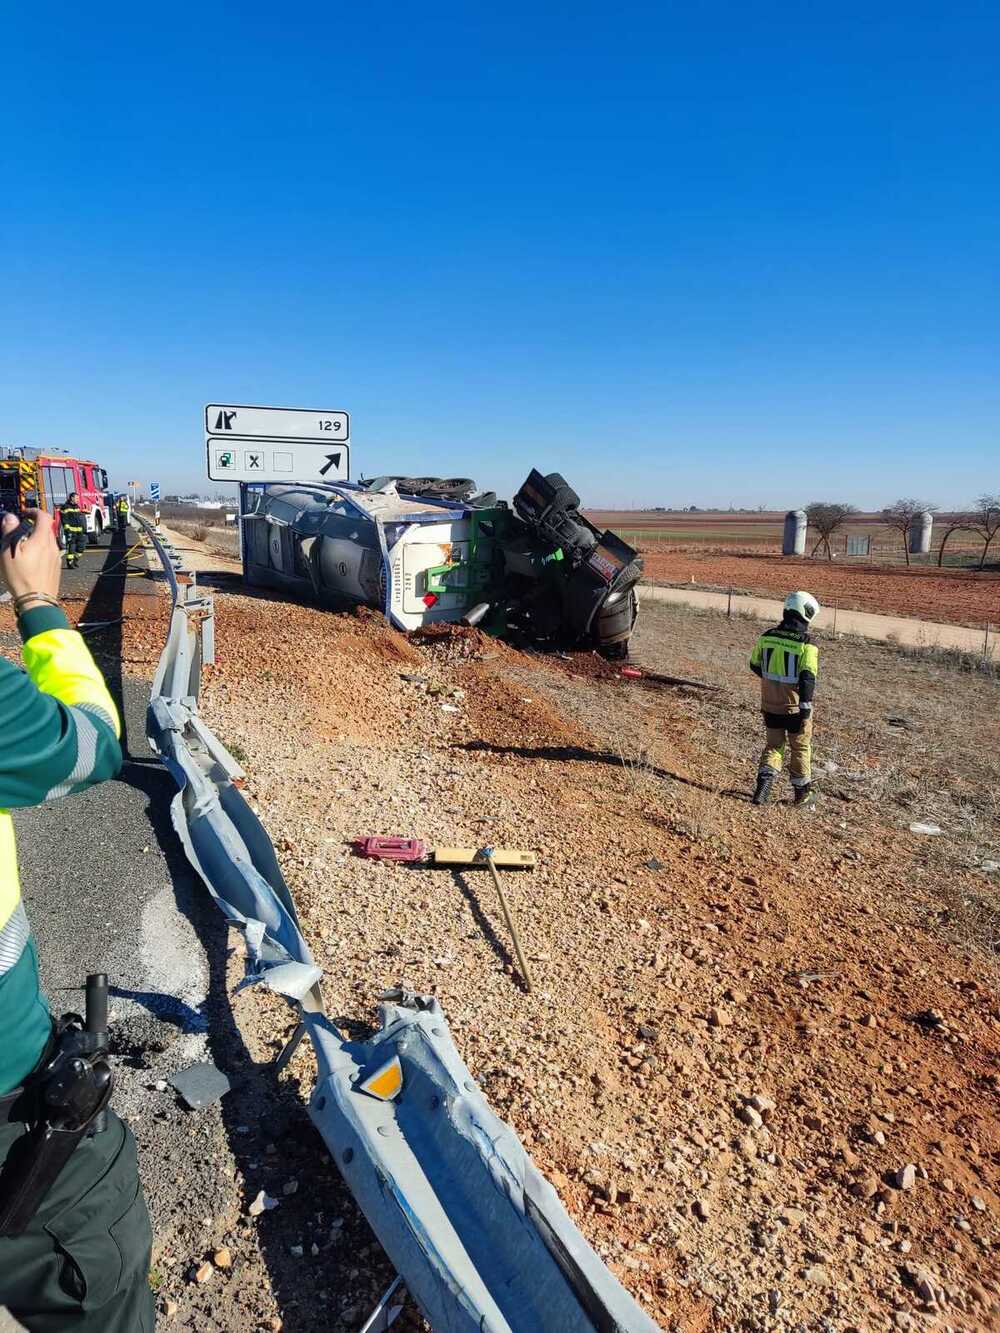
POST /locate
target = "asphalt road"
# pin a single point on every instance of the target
(108, 889)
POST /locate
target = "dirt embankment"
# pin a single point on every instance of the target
(759, 1073)
(956, 596)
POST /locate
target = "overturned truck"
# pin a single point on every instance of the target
(424, 549)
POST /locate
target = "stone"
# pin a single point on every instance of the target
(170, 1308)
(791, 1217)
(263, 1203)
(762, 1103)
(290, 1187)
(905, 1177)
(203, 1273)
(295, 1251)
(701, 1210)
(979, 1203)
(866, 1186)
(719, 1017)
(750, 1116)
(223, 1257)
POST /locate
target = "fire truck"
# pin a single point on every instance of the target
(44, 478)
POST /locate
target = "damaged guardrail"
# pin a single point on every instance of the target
(479, 1237)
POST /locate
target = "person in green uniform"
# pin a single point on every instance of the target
(74, 525)
(122, 512)
(82, 1262)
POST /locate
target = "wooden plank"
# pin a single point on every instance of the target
(507, 858)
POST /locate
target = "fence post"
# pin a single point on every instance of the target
(835, 619)
(986, 643)
(729, 605)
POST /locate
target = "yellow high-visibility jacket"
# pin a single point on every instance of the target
(787, 662)
(60, 735)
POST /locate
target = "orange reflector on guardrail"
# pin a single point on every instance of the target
(386, 1083)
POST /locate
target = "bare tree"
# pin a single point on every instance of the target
(957, 523)
(984, 520)
(828, 517)
(900, 516)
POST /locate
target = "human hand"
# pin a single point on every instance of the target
(32, 565)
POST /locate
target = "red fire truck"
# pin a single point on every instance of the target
(44, 478)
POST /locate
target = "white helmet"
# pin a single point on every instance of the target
(804, 603)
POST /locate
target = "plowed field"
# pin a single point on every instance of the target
(959, 597)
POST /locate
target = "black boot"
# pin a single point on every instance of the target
(765, 781)
(804, 795)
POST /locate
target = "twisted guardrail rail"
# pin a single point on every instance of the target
(479, 1237)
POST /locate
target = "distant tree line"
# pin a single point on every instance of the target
(828, 517)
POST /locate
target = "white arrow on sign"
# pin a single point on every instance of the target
(239, 422)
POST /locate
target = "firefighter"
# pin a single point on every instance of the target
(787, 662)
(121, 513)
(81, 1263)
(74, 526)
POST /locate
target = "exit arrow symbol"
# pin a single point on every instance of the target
(332, 460)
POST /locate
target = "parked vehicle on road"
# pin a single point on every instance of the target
(45, 478)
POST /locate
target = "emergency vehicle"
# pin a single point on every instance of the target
(44, 478)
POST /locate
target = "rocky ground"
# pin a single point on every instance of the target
(759, 1062)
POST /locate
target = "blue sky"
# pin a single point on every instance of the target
(682, 253)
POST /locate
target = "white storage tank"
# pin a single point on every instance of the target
(794, 540)
(921, 528)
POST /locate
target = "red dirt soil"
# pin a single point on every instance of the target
(955, 596)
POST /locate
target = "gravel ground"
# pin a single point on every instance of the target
(747, 1026)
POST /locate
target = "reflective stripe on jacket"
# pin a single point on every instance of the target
(60, 735)
(787, 663)
(73, 519)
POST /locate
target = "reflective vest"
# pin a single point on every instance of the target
(60, 735)
(788, 664)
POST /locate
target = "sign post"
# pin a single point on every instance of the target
(154, 495)
(276, 444)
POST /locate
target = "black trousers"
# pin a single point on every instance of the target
(76, 544)
(82, 1265)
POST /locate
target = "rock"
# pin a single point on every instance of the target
(170, 1308)
(204, 1273)
(979, 1203)
(930, 830)
(701, 1210)
(295, 1251)
(719, 1017)
(160, 1085)
(290, 1187)
(750, 1116)
(866, 1186)
(818, 1274)
(223, 1257)
(275, 1325)
(905, 1177)
(262, 1203)
(791, 1217)
(762, 1103)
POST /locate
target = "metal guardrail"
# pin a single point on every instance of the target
(477, 1234)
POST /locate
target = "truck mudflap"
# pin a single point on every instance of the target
(480, 1236)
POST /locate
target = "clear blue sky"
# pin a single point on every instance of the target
(683, 253)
